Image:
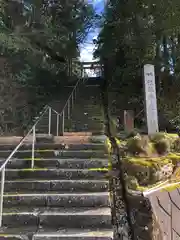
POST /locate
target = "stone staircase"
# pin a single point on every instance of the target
(65, 196)
(87, 114)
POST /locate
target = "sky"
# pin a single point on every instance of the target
(87, 48)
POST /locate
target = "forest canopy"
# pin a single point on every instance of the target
(39, 46)
(141, 32)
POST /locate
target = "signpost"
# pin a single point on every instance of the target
(150, 99)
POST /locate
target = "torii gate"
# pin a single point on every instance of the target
(96, 67)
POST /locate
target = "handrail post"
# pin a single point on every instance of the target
(72, 100)
(62, 123)
(68, 109)
(2, 194)
(57, 131)
(75, 94)
(49, 130)
(33, 146)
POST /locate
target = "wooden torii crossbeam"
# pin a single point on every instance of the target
(91, 65)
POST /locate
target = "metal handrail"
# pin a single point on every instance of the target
(69, 103)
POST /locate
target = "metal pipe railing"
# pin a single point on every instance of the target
(47, 109)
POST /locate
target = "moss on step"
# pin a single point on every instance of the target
(109, 151)
(98, 169)
(32, 169)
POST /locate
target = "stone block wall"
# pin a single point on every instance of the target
(143, 220)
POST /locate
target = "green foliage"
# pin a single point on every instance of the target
(135, 33)
(45, 35)
(40, 44)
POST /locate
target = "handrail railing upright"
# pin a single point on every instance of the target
(47, 109)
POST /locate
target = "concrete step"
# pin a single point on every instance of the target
(95, 118)
(87, 112)
(94, 132)
(98, 139)
(57, 217)
(45, 138)
(77, 119)
(55, 199)
(85, 120)
(19, 233)
(77, 134)
(76, 111)
(86, 123)
(57, 163)
(54, 173)
(77, 186)
(33, 233)
(42, 130)
(53, 153)
(90, 108)
(91, 127)
(88, 101)
(86, 128)
(76, 234)
(76, 125)
(83, 115)
(56, 146)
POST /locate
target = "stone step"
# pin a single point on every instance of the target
(79, 123)
(88, 108)
(19, 233)
(76, 234)
(57, 163)
(56, 185)
(83, 115)
(44, 137)
(57, 217)
(88, 101)
(92, 108)
(88, 98)
(99, 139)
(88, 117)
(77, 134)
(53, 153)
(89, 93)
(76, 124)
(42, 130)
(33, 233)
(94, 130)
(89, 124)
(55, 199)
(55, 146)
(87, 113)
(93, 120)
(54, 173)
